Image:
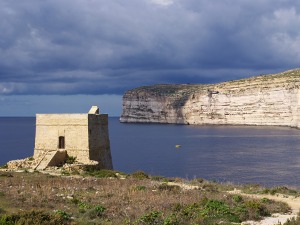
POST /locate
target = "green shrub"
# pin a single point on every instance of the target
(100, 209)
(216, 208)
(33, 217)
(63, 214)
(70, 159)
(284, 190)
(76, 201)
(101, 173)
(65, 173)
(265, 200)
(166, 187)
(266, 191)
(82, 207)
(189, 211)
(5, 166)
(199, 180)
(2, 211)
(75, 172)
(140, 175)
(237, 198)
(97, 211)
(255, 209)
(273, 191)
(5, 174)
(157, 178)
(140, 188)
(152, 218)
(171, 220)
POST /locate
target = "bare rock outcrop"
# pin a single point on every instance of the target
(262, 100)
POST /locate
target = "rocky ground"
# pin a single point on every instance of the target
(110, 197)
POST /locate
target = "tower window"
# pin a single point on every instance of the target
(61, 142)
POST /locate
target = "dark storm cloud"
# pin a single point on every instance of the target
(107, 47)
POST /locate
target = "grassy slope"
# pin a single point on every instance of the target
(137, 199)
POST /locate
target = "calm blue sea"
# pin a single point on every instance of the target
(240, 154)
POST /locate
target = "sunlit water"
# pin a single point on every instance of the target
(240, 154)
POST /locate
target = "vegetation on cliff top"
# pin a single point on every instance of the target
(126, 199)
(187, 89)
(171, 89)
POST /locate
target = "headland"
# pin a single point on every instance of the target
(260, 100)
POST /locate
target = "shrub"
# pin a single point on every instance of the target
(152, 218)
(82, 207)
(199, 180)
(265, 200)
(4, 174)
(171, 220)
(32, 217)
(273, 191)
(70, 159)
(65, 173)
(5, 166)
(266, 191)
(189, 211)
(1, 211)
(284, 190)
(158, 178)
(166, 187)
(63, 214)
(101, 173)
(237, 198)
(280, 190)
(140, 188)
(97, 211)
(100, 209)
(76, 201)
(216, 208)
(256, 209)
(140, 175)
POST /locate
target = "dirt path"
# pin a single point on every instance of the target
(277, 218)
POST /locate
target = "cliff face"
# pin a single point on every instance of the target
(262, 100)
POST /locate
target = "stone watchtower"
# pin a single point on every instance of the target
(84, 136)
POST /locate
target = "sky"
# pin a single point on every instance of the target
(59, 56)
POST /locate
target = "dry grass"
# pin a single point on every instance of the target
(90, 200)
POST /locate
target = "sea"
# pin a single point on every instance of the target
(264, 155)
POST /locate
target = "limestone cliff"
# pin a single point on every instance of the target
(263, 100)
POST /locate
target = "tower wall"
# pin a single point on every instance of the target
(84, 136)
(99, 143)
(74, 129)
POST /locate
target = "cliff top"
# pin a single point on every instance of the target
(290, 76)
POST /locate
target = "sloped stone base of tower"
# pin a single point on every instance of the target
(51, 158)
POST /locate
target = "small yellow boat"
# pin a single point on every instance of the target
(177, 146)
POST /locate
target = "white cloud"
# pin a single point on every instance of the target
(11, 87)
(163, 2)
(280, 29)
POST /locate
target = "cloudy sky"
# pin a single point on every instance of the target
(65, 55)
